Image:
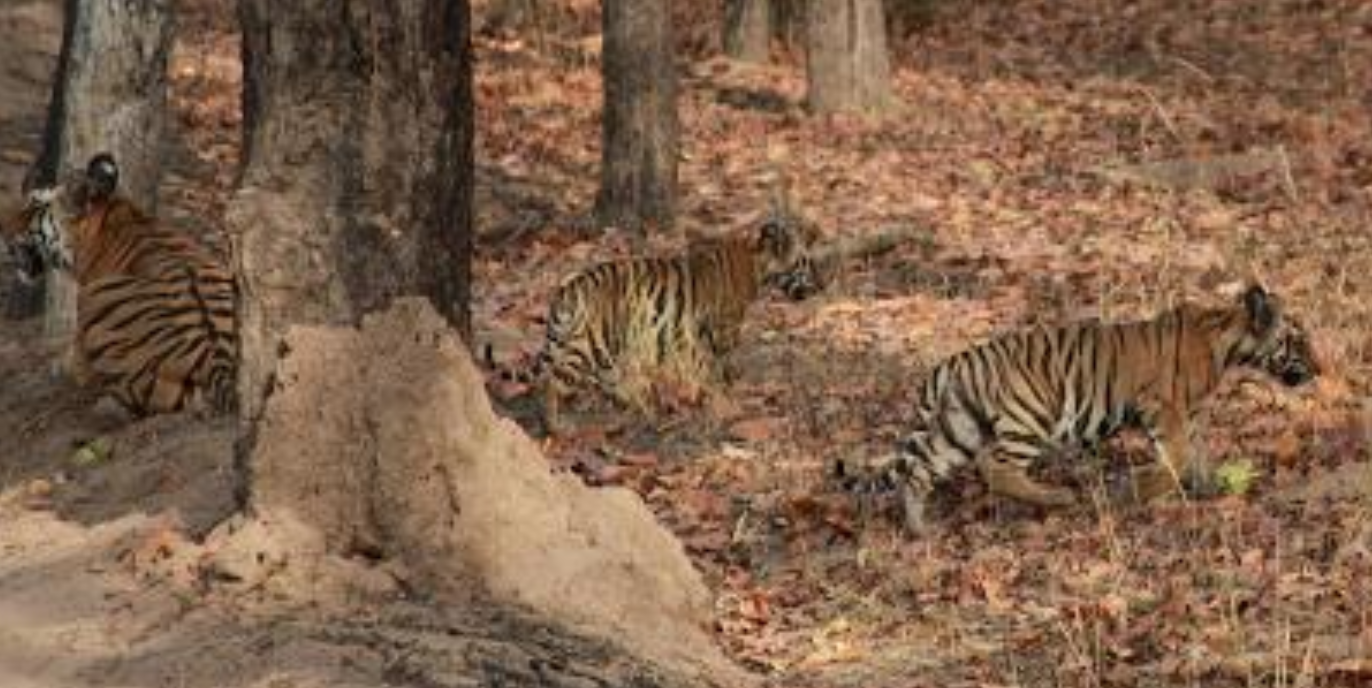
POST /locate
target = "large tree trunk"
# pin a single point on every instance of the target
(357, 181)
(109, 95)
(638, 172)
(847, 65)
(748, 30)
(380, 440)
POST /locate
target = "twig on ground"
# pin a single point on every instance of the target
(1166, 117)
(868, 245)
(1198, 173)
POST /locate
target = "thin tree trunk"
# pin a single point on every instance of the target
(638, 183)
(748, 30)
(357, 181)
(109, 95)
(847, 65)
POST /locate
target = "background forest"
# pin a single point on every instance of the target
(1040, 161)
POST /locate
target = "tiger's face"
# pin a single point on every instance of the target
(39, 237)
(35, 235)
(1275, 342)
(785, 246)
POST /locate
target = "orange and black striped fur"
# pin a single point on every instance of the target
(659, 308)
(1001, 405)
(155, 308)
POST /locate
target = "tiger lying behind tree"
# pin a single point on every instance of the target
(1003, 404)
(658, 312)
(155, 308)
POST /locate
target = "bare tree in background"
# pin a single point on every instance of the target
(638, 182)
(110, 94)
(847, 64)
(748, 30)
(357, 181)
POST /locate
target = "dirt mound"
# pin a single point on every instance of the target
(383, 442)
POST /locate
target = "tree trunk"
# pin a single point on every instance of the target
(847, 65)
(638, 182)
(357, 181)
(110, 94)
(748, 30)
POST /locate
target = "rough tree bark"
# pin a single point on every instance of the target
(847, 65)
(109, 94)
(356, 187)
(748, 30)
(638, 171)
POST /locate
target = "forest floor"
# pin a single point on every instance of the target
(1021, 153)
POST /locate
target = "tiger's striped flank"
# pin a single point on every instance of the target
(1002, 405)
(155, 308)
(665, 308)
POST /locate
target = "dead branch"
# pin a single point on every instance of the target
(868, 245)
(1201, 173)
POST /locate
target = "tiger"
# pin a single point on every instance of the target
(155, 308)
(1002, 405)
(664, 307)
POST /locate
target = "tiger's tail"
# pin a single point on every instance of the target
(902, 473)
(521, 370)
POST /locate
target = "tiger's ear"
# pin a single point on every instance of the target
(1261, 308)
(102, 176)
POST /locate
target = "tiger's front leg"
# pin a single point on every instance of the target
(550, 402)
(721, 340)
(1169, 431)
(727, 370)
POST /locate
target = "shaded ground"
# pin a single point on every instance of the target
(1012, 112)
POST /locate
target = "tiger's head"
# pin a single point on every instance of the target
(784, 243)
(1273, 341)
(35, 238)
(38, 236)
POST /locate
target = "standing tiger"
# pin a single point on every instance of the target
(155, 308)
(664, 308)
(1001, 405)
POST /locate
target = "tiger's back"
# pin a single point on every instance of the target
(155, 308)
(657, 311)
(115, 237)
(663, 302)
